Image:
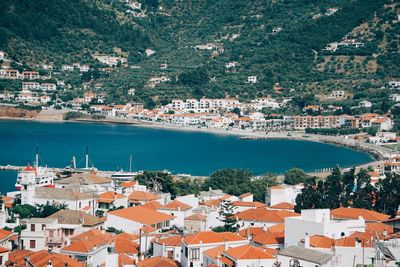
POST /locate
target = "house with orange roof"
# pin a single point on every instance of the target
(319, 222)
(246, 197)
(178, 209)
(111, 199)
(260, 217)
(356, 249)
(131, 219)
(142, 197)
(245, 205)
(194, 245)
(41, 258)
(169, 247)
(7, 239)
(57, 230)
(282, 193)
(343, 213)
(127, 187)
(282, 206)
(241, 256)
(90, 247)
(197, 222)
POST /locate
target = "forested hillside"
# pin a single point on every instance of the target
(279, 41)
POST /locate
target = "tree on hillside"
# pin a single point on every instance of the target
(158, 182)
(295, 176)
(388, 194)
(231, 181)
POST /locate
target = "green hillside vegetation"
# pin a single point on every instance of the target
(278, 41)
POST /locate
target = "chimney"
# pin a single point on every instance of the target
(307, 241)
(264, 228)
(49, 264)
(142, 257)
(384, 233)
(225, 245)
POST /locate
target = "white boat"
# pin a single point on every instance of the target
(125, 176)
(42, 176)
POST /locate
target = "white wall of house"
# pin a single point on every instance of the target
(123, 224)
(198, 249)
(166, 251)
(318, 222)
(180, 216)
(190, 200)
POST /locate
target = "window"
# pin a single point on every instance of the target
(43, 226)
(195, 254)
(32, 243)
(80, 205)
(185, 249)
(32, 227)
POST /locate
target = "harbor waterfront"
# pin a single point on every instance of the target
(195, 153)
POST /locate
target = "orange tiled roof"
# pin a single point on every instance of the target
(214, 253)
(173, 241)
(277, 187)
(280, 227)
(158, 262)
(355, 213)
(137, 196)
(350, 241)
(152, 205)
(88, 240)
(147, 229)
(196, 217)
(378, 228)
(247, 252)
(124, 260)
(109, 197)
(41, 258)
(128, 184)
(142, 215)
(254, 204)
(269, 238)
(283, 206)
(211, 203)
(176, 205)
(245, 195)
(264, 215)
(211, 237)
(5, 234)
(125, 245)
(320, 241)
(3, 249)
(251, 231)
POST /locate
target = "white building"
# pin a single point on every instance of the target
(178, 209)
(169, 247)
(194, 245)
(282, 193)
(130, 220)
(252, 79)
(365, 104)
(318, 222)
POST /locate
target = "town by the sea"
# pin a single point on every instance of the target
(195, 153)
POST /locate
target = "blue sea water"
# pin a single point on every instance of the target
(194, 153)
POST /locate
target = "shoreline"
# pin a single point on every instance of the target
(377, 153)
